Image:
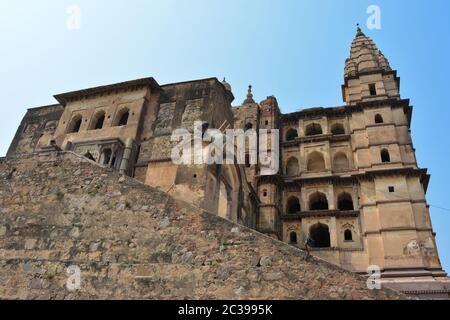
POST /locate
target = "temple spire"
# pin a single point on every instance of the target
(249, 98)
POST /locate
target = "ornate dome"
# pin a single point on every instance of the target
(364, 56)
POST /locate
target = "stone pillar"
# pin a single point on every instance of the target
(126, 155)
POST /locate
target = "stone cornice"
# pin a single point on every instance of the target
(342, 111)
(64, 98)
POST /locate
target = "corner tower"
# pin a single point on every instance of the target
(397, 233)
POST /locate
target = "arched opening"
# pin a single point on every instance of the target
(98, 121)
(122, 117)
(316, 162)
(313, 129)
(248, 126)
(293, 237)
(320, 235)
(106, 156)
(293, 205)
(348, 235)
(385, 157)
(318, 201)
(378, 118)
(292, 167)
(340, 162)
(75, 124)
(337, 128)
(345, 202)
(291, 134)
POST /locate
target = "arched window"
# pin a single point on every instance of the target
(337, 128)
(313, 129)
(316, 162)
(293, 205)
(293, 237)
(385, 157)
(75, 124)
(320, 235)
(348, 235)
(248, 126)
(340, 162)
(291, 134)
(378, 118)
(292, 167)
(98, 121)
(122, 117)
(345, 202)
(318, 201)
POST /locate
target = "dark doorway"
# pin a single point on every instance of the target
(318, 201)
(320, 235)
(293, 237)
(345, 202)
(293, 205)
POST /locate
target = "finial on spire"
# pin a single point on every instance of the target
(359, 31)
(249, 98)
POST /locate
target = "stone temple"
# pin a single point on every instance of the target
(348, 177)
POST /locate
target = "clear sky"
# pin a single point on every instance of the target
(294, 50)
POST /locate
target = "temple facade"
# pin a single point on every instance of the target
(348, 183)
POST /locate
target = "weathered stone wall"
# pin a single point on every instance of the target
(36, 129)
(132, 241)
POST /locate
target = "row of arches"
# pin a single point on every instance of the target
(318, 201)
(98, 121)
(314, 129)
(320, 236)
(316, 162)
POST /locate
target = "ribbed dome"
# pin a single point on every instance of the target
(364, 56)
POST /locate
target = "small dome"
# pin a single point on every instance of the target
(226, 84)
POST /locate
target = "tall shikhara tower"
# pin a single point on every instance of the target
(396, 226)
(349, 179)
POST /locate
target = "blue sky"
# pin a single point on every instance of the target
(294, 50)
